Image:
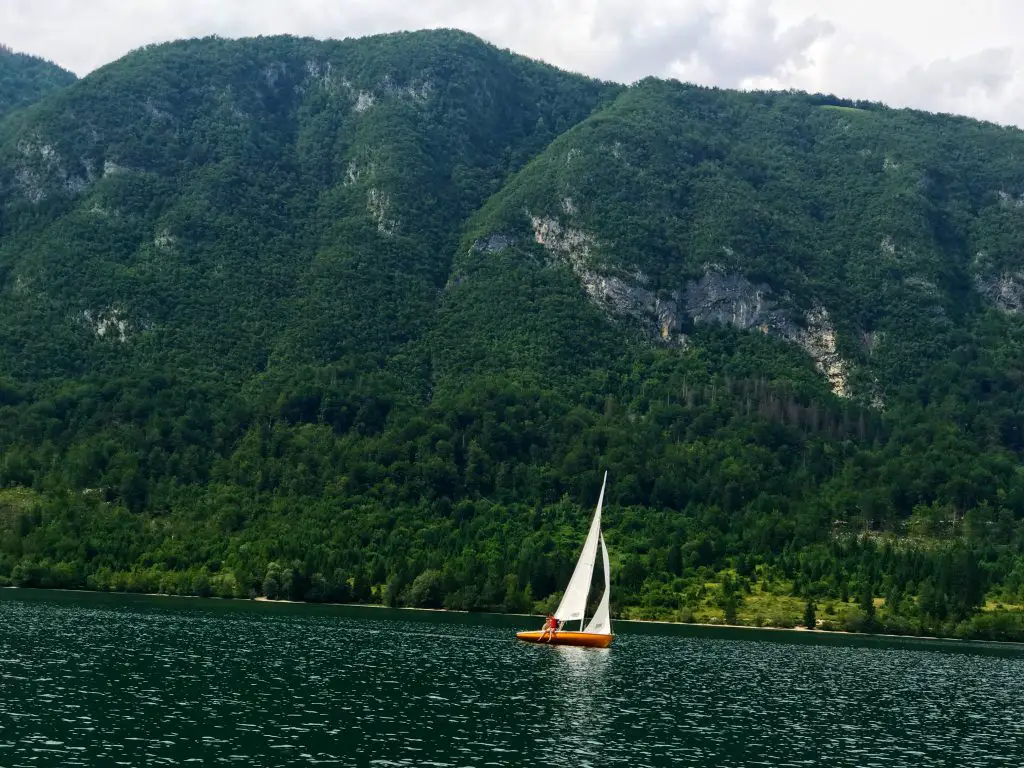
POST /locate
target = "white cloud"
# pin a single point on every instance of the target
(963, 58)
(940, 55)
(746, 40)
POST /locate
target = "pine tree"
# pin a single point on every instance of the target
(810, 616)
(867, 604)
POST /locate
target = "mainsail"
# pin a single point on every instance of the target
(574, 601)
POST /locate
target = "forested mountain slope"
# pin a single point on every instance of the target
(368, 319)
(221, 204)
(25, 79)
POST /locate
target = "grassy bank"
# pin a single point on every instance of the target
(775, 606)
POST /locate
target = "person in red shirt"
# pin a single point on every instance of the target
(550, 627)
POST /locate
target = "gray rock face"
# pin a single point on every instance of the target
(716, 297)
(40, 172)
(378, 204)
(1005, 291)
(493, 243)
(618, 296)
(731, 299)
(108, 323)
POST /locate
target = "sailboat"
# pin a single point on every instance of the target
(598, 632)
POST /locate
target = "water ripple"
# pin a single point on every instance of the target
(140, 685)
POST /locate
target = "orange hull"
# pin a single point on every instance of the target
(585, 639)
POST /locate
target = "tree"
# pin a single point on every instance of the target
(810, 617)
(272, 588)
(425, 590)
(867, 604)
(730, 606)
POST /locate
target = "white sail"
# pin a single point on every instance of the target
(601, 623)
(574, 601)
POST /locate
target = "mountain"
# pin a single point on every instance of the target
(367, 320)
(868, 237)
(227, 204)
(25, 79)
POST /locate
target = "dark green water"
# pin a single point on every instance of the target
(104, 680)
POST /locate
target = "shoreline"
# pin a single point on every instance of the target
(815, 631)
(703, 625)
(261, 599)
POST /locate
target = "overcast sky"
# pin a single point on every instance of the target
(961, 56)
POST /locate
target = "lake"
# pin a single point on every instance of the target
(104, 680)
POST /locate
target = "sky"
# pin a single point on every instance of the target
(957, 56)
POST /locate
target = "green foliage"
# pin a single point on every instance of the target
(274, 322)
(25, 79)
(810, 616)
